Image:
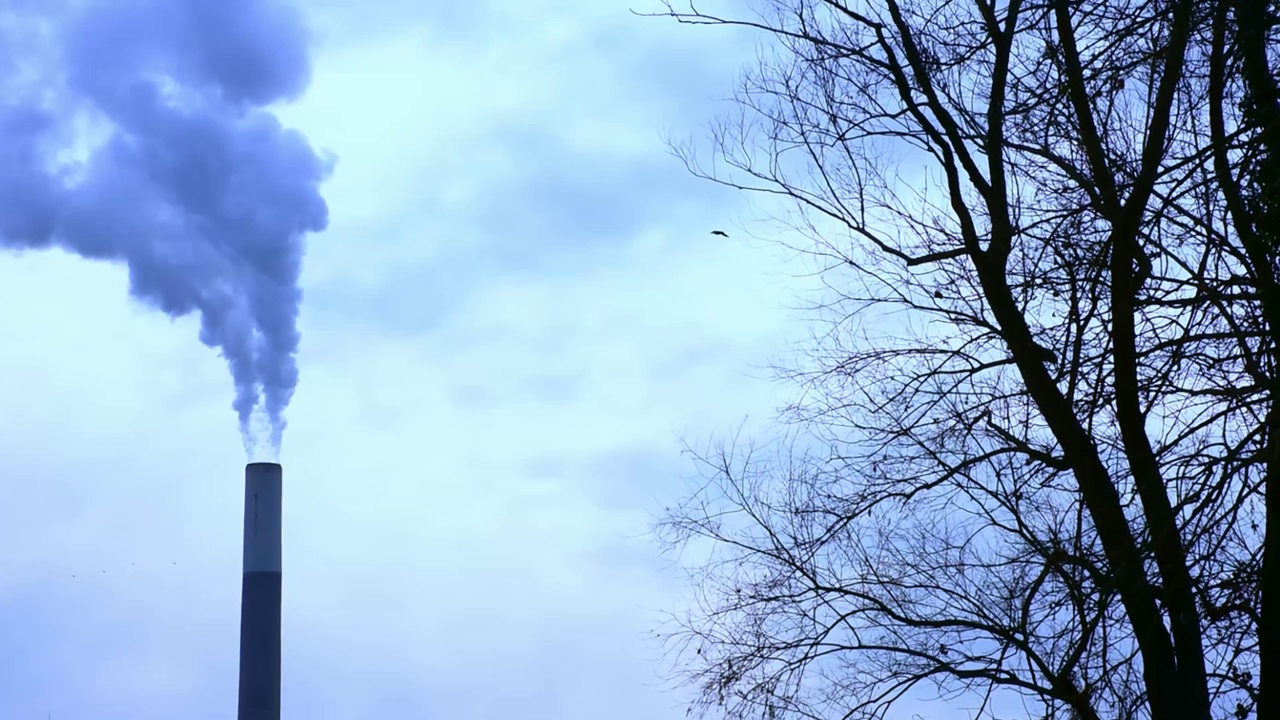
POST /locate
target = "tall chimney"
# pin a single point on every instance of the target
(260, 594)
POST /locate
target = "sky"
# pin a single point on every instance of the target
(514, 317)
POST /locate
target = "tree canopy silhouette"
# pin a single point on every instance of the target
(1040, 457)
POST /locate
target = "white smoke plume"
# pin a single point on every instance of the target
(139, 132)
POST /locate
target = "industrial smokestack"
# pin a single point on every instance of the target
(260, 594)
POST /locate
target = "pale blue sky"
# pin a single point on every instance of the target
(515, 314)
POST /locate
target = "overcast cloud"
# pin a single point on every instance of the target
(515, 313)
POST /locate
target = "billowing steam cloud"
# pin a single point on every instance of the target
(137, 131)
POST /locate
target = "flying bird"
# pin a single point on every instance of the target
(721, 233)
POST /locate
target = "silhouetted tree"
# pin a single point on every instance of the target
(1037, 453)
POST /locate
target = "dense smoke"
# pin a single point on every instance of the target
(137, 131)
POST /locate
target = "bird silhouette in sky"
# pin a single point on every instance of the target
(721, 233)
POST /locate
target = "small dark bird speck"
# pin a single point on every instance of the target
(721, 233)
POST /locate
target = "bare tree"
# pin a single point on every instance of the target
(1038, 445)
